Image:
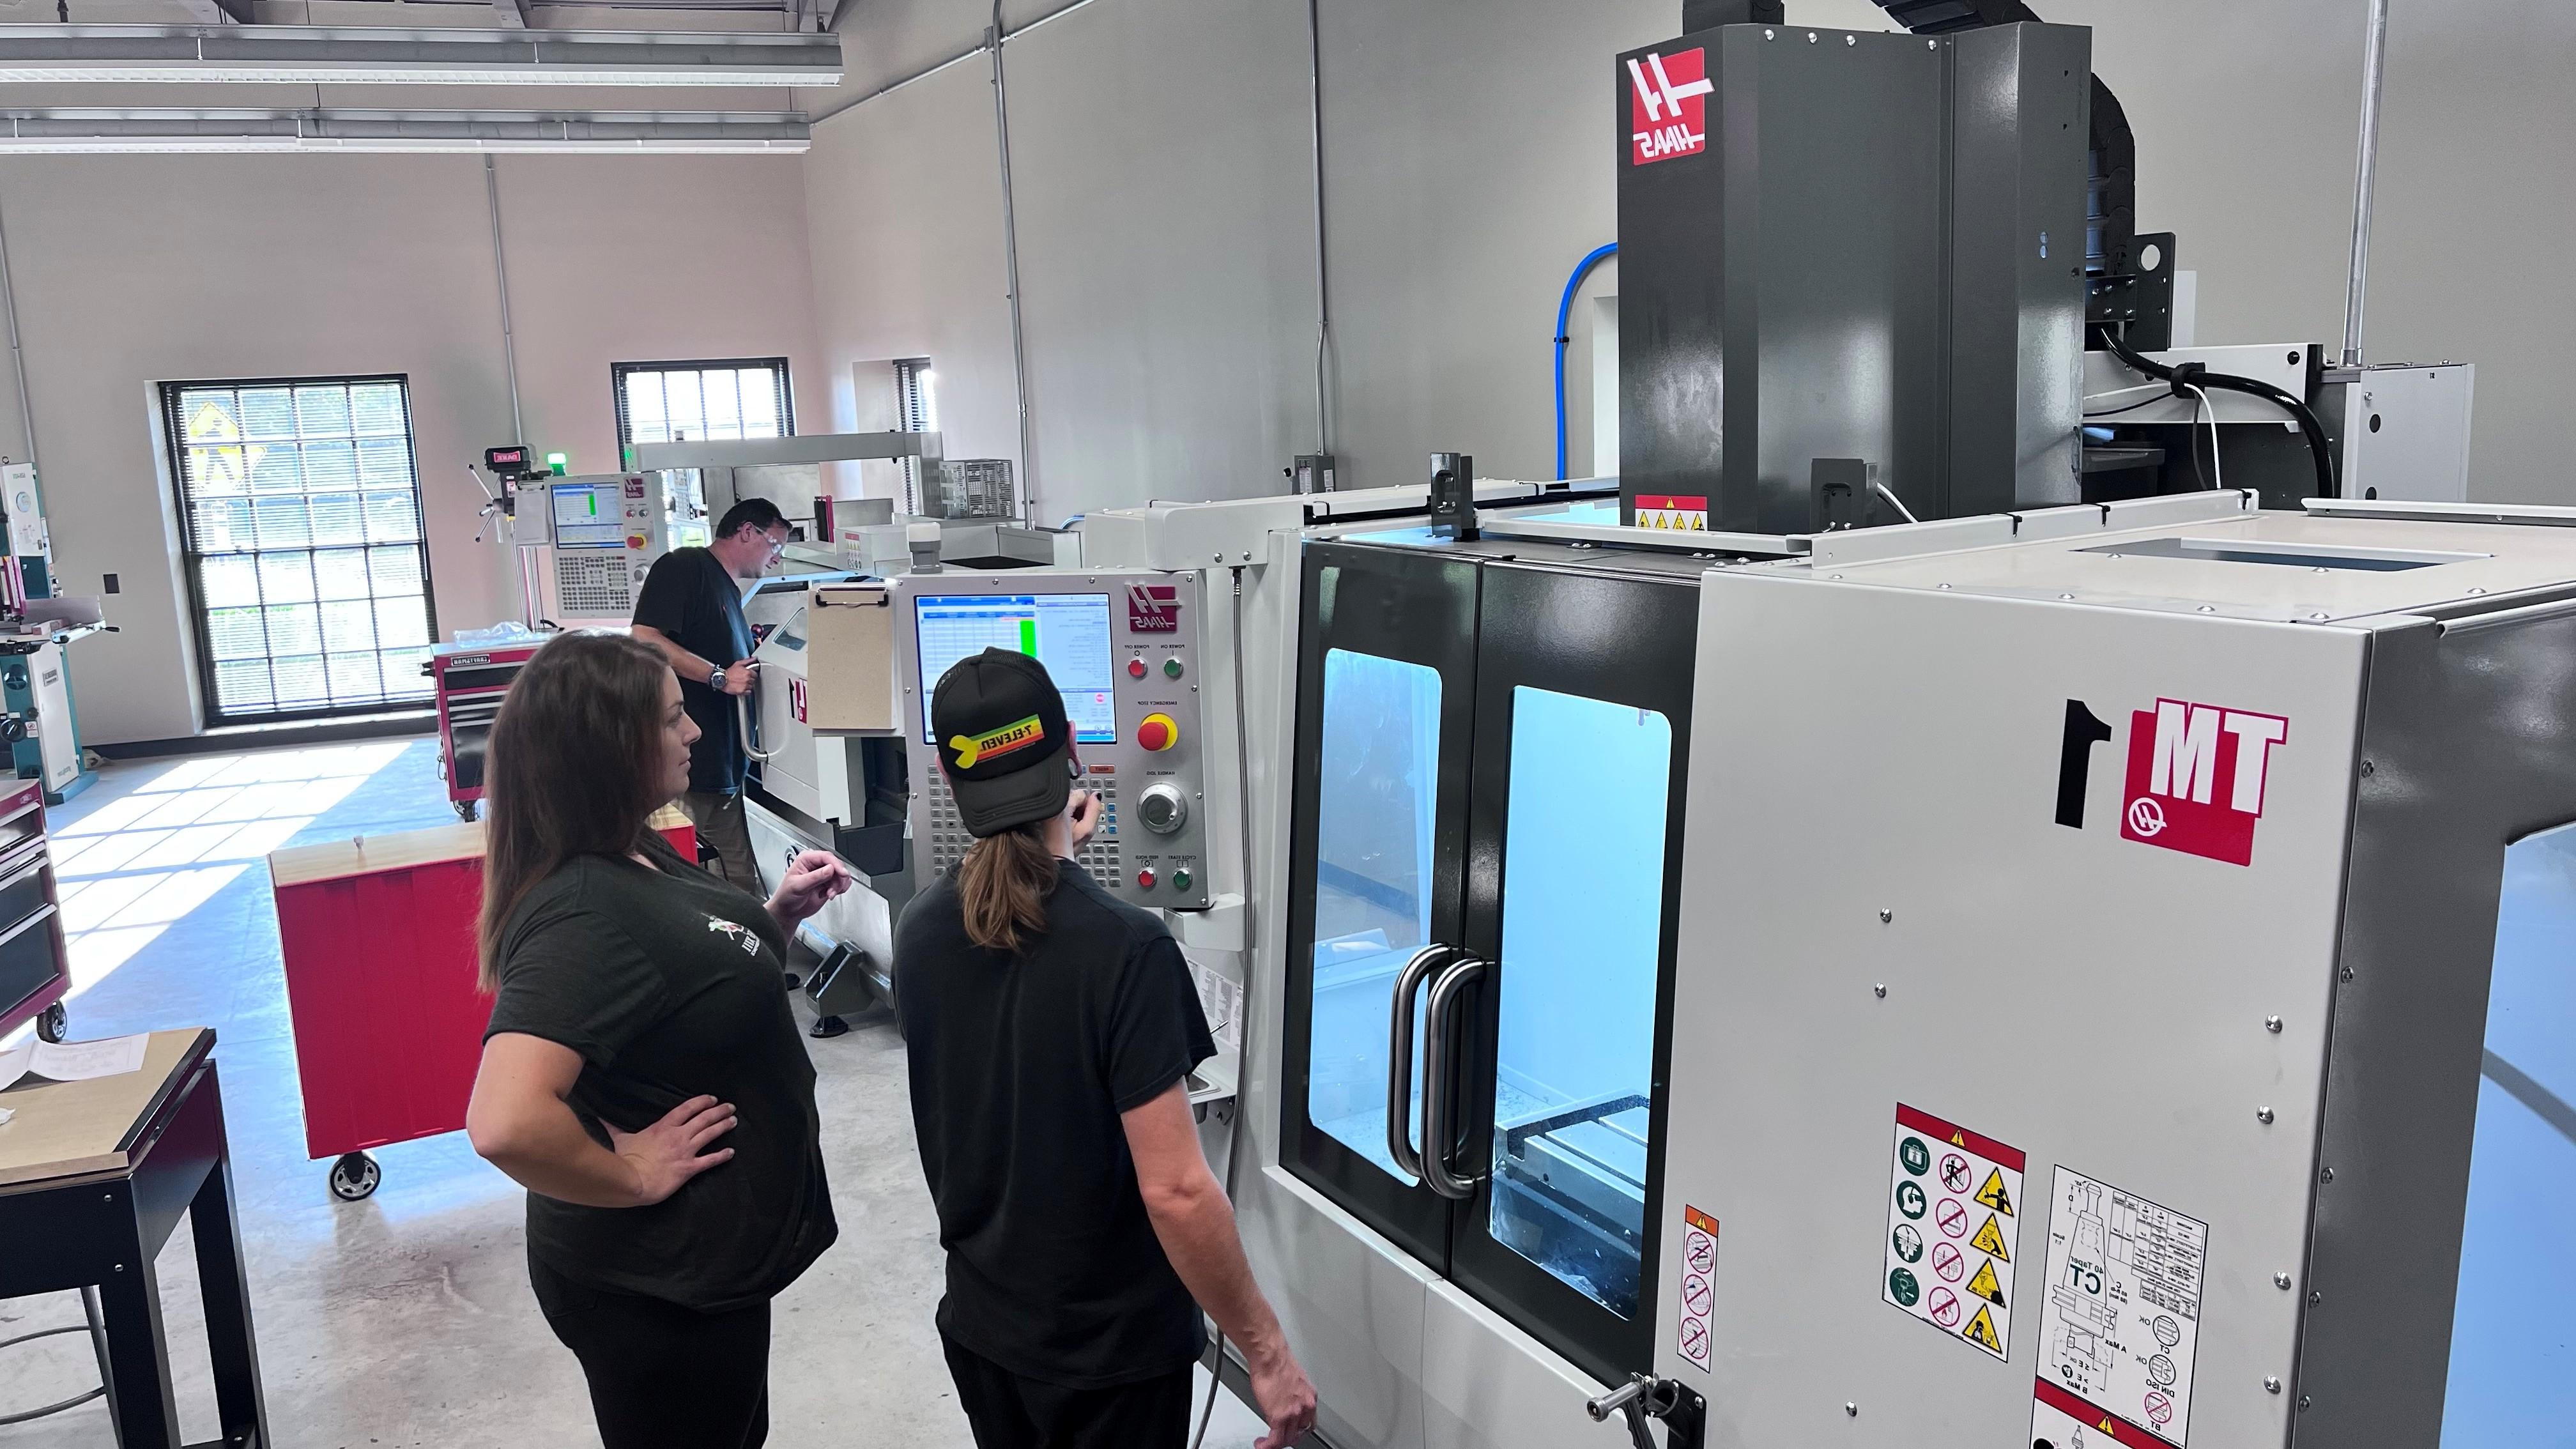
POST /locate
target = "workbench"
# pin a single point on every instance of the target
(94, 1176)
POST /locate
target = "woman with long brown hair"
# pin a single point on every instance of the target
(1050, 1028)
(642, 1076)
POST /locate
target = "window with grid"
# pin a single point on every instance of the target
(667, 402)
(300, 512)
(917, 401)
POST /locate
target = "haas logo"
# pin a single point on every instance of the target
(2194, 780)
(1153, 609)
(1668, 105)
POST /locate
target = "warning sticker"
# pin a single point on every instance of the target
(1685, 511)
(1699, 1277)
(1950, 1230)
(2122, 1317)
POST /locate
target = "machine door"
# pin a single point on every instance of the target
(1573, 890)
(1386, 706)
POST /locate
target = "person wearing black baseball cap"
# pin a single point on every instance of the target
(1050, 1027)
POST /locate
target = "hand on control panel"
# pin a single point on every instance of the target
(1082, 813)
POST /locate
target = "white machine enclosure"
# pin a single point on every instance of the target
(2168, 857)
(599, 534)
(2404, 429)
(1152, 846)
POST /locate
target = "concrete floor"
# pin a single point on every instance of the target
(406, 1319)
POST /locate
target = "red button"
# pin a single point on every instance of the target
(1135, 669)
(1158, 732)
(1144, 880)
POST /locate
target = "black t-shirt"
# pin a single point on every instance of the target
(1020, 1069)
(691, 597)
(666, 982)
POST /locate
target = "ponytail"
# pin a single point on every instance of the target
(1003, 885)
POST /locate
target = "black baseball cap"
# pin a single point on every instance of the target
(1003, 740)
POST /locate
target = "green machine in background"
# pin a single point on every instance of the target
(40, 726)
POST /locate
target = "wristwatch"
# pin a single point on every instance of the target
(716, 679)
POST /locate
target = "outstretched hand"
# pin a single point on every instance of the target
(813, 878)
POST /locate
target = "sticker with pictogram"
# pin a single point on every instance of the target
(1959, 1192)
(2121, 1322)
(1699, 1280)
(1687, 512)
(1668, 104)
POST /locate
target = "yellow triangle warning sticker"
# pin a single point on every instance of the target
(1984, 1285)
(2109, 1428)
(1990, 1239)
(1981, 1331)
(1958, 1138)
(1993, 1194)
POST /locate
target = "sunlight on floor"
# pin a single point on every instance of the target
(130, 868)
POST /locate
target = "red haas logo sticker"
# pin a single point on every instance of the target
(2196, 776)
(1668, 105)
(1153, 609)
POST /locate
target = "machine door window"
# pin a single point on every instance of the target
(299, 508)
(1377, 849)
(2513, 1365)
(1376, 806)
(1583, 891)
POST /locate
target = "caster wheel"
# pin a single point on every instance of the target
(829, 1026)
(355, 1176)
(793, 980)
(54, 1024)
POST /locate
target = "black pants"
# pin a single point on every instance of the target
(1011, 1412)
(660, 1374)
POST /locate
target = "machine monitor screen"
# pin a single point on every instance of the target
(1068, 633)
(589, 515)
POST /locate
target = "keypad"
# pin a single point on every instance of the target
(949, 840)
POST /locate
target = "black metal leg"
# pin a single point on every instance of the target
(225, 1284)
(138, 1354)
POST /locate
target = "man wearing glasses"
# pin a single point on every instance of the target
(691, 610)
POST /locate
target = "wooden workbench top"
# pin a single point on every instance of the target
(402, 850)
(73, 1129)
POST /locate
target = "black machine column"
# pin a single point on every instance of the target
(1846, 246)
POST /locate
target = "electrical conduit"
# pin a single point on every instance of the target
(1564, 311)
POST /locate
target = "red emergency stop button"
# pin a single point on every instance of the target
(1135, 669)
(1144, 880)
(1158, 732)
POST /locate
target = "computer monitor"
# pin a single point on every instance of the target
(589, 515)
(1068, 633)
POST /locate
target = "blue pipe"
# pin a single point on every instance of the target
(1565, 310)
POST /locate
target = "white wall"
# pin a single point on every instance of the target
(135, 270)
(1468, 155)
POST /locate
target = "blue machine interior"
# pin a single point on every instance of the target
(2513, 1343)
(1373, 838)
(1583, 897)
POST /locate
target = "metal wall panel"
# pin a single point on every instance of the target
(2094, 1001)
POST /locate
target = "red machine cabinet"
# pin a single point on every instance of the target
(469, 681)
(377, 934)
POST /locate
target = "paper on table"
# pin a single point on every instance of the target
(74, 1061)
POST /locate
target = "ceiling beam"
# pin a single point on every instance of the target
(512, 14)
(219, 12)
(800, 15)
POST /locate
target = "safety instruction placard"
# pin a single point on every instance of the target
(1699, 1283)
(2122, 1315)
(1951, 1248)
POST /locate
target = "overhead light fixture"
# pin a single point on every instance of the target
(320, 55)
(624, 133)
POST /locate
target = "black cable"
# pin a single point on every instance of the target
(2309, 428)
(2115, 412)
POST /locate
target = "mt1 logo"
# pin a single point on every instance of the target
(2195, 774)
(1153, 609)
(1668, 105)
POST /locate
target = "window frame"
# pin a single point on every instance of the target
(619, 371)
(174, 431)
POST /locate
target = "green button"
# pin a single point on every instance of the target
(1171, 669)
(1180, 880)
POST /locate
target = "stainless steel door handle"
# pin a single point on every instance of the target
(1439, 1107)
(1399, 1057)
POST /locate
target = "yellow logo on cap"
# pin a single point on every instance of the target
(1014, 736)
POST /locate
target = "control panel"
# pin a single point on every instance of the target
(1123, 648)
(607, 530)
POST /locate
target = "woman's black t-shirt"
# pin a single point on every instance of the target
(666, 981)
(1021, 1066)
